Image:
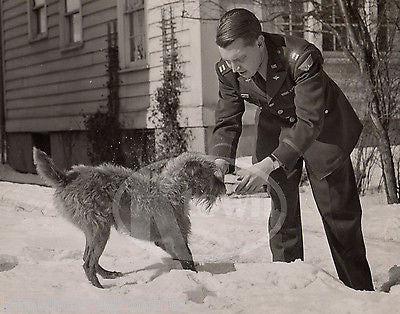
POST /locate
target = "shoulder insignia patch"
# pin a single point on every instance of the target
(306, 65)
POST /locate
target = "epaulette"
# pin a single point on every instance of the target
(295, 47)
(222, 67)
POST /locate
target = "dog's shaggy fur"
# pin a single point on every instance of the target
(152, 204)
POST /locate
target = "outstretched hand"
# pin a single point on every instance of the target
(254, 178)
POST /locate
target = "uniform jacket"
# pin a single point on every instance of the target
(303, 113)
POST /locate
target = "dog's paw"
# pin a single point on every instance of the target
(188, 265)
(111, 274)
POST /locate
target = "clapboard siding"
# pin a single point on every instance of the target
(188, 36)
(15, 21)
(98, 6)
(141, 103)
(46, 84)
(18, 9)
(72, 75)
(39, 47)
(46, 124)
(11, 4)
(18, 31)
(95, 51)
(64, 110)
(62, 64)
(55, 87)
(80, 96)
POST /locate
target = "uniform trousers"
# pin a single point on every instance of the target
(339, 206)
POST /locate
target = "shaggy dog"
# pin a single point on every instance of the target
(152, 204)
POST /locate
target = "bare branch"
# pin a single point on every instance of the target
(349, 25)
(317, 16)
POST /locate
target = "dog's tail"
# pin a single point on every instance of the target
(47, 169)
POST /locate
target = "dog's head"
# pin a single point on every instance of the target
(199, 177)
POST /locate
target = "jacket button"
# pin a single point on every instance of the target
(280, 111)
(292, 119)
(271, 104)
(326, 111)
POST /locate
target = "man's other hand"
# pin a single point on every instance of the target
(252, 179)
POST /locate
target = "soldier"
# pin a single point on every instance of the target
(302, 116)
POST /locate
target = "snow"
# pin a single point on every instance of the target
(41, 261)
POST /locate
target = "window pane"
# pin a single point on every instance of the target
(42, 21)
(133, 4)
(136, 35)
(72, 5)
(342, 31)
(291, 22)
(38, 2)
(327, 42)
(137, 48)
(76, 27)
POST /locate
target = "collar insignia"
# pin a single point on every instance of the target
(222, 68)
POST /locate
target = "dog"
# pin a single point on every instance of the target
(153, 203)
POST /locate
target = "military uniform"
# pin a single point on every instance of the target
(302, 115)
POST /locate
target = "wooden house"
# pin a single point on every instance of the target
(54, 71)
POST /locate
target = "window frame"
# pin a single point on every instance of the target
(337, 49)
(66, 29)
(34, 17)
(282, 25)
(124, 37)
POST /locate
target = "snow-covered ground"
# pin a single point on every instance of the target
(41, 262)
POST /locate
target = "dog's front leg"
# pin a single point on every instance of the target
(89, 266)
(171, 237)
(179, 250)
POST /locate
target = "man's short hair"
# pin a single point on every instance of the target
(238, 23)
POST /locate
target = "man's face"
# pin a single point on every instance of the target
(243, 59)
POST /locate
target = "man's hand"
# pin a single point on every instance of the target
(252, 179)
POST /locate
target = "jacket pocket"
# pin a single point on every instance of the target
(323, 158)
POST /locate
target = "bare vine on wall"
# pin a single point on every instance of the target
(171, 138)
(103, 127)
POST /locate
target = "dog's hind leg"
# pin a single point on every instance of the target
(89, 260)
(96, 240)
(106, 274)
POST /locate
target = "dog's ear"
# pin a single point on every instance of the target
(191, 168)
(218, 173)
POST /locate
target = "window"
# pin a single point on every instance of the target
(132, 30)
(71, 26)
(290, 21)
(37, 19)
(334, 18)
